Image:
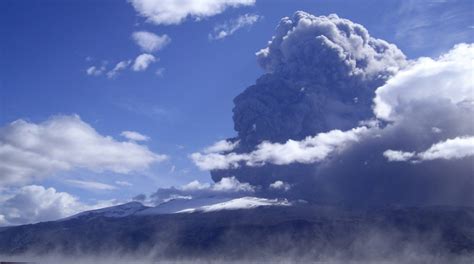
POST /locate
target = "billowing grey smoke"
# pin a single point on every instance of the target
(322, 74)
(328, 46)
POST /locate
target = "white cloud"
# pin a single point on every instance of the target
(91, 185)
(195, 185)
(428, 81)
(456, 148)
(33, 203)
(224, 30)
(221, 146)
(29, 151)
(309, 150)
(120, 66)
(231, 184)
(435, 89)
(397, 155)
(95, 70)
(150, 42)
(218, 161)
(280, 185)
(112, 73)
(143, 61)
(226, 184)
(225, 188)
(167, 12)
(134, 136)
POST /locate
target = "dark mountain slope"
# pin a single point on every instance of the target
(296, 232)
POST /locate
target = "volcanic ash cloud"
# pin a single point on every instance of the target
(337, 108)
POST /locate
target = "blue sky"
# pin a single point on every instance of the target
(47, 46)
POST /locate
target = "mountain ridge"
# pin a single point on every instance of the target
(313, 232)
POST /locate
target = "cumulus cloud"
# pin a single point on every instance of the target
(450, 72)
(397, 155)
(226, 29)
(195, 185)
(280, 185)
(218, 161)
(120, 66)
(150, 42)
(134, 136)
(34, 203)
(143, 61)
(140, 63)
(29, 151)
(456, 148)
(167, 12)
(95, 70)
(309, 150)
(221, 146)
(91, 185)
(229, 184)
(226, 187)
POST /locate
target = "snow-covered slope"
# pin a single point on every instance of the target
(205, 204)
(239, 203)
(113, 211)
(178, 205)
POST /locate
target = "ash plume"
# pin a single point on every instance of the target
(333, 102)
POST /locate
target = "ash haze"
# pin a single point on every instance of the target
(185, 131)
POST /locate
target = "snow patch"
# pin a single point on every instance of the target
(180, 204)
(239, 203)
